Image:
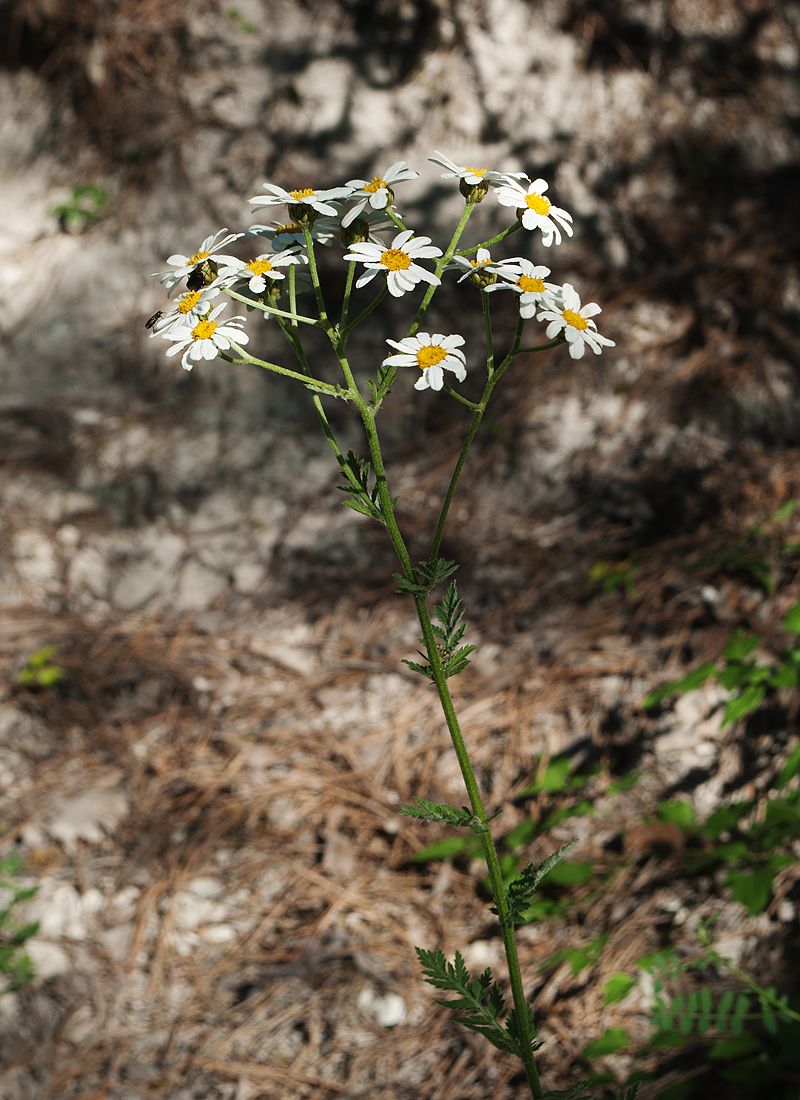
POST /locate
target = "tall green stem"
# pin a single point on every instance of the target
(470, 782)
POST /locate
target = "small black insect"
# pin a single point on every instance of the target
(156, 317)
(196, 278)
(204, 273)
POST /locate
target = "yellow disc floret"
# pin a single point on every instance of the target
(430, 356)
(377, 185)
(188, 301)
(198, 258)
(204, 330)
(529, 285)
(537, 203)
(395, 259)
(476, 171)
(305, 193)
(260, 266)
(574, 319)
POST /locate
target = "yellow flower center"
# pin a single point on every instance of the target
(430, 356)
(187, 302)
(260, 266)
(478, 263)
(574, 319)
(288, 229)
(530, 285)
(306, 193)
(198, 258)
(376, 185)
(204, 330)
(395, 259)
(537, 203)
(476, 171)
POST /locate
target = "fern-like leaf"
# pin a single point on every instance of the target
(440, 811)
(525, 885)
(479, 1003)
(454, 658)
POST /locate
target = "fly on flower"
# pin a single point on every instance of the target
(188, 309)
(206, 338)
(152, 320)
(185, 265)
(377, 193)
(433, 355)
(569, 317)
(397, 261)
(535, 211)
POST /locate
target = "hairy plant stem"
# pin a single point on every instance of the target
(470, 782)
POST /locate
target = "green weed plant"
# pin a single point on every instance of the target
(359, 216)
(16, 968)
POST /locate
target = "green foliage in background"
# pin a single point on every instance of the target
(15, 966)
(81, 209)
(755, 551)
(747, 680)
(39, 672)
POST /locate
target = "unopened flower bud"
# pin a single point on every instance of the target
(302, 214)
(354, 233)
(473, 192)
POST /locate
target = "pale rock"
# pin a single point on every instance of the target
(159, 554)
(49, 960)
(88, 817)
(217, 511)
(59, 912)
(119, 940)
(267, 511)
(222, 551)
(80, 1026)
(247, 577)
(389, 1009)
(36, 560)
(92, 900)
(89, 569)
(68, 535)
(218, 933)
(206, 886)
(198, 587)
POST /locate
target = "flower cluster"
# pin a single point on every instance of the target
(359, 214)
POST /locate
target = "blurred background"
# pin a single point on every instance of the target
(221, 621)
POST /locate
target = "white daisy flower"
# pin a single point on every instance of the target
(188, 309)
(284, 236)
(185, 265)
(433, 355)
(378, 192)
(537, 212)
(305, 196)
(259, 271)
(471, 176)
(483, 269)
(207, 338)
(528, 280)
(398, 261)
(574, 320)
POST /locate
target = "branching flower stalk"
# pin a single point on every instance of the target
(360, 212)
